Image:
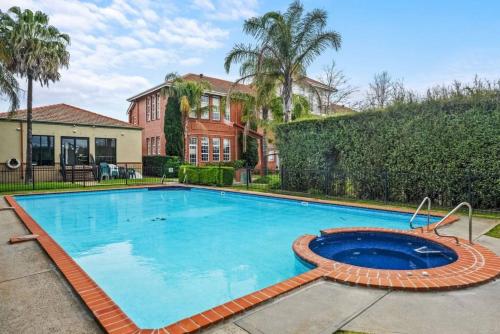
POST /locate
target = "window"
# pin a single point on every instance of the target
(204, 107)
(227, 150)
(204, 149)
(153, 107)
(192, 113)
(216, 108)
(215, 149)
(157, 105)
(153, 146)
(75, 150)
(227, 114)
(158, 146)
(271, 156)
(148, 108)
(105, 150)
(43, 150)
(193, 150)
(148, 144)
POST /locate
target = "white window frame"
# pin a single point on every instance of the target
(226, 149)
(193, 150)
(158, 146)
(216, 108)
(148, 145)
(227, 115)
(271, 156)
(153, 146)
(204, 105)
(205, 149)
(153, 107)
(157, 105)
(148, 109)
(215, 149)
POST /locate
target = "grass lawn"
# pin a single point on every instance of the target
(20, 188)
(494, 232)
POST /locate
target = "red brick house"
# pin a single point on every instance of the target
(212, 136)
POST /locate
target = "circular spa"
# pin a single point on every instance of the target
(383, 250)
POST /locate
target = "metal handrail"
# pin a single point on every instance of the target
(428, 200)
(449, 214)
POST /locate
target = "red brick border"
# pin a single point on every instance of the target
(115, 321)
(475, 265)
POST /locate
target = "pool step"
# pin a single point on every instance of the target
(425, 250)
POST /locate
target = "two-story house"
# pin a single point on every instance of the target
(212, 136)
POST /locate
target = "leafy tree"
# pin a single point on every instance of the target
(251, 154)
(287, 43)
(173, 128)
(301, 109)
(35, 50)
(189, 94)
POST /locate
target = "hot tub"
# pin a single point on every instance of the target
(383, 250)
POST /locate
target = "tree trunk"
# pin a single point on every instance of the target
(29, 132)
(287, 99)
(186, 141)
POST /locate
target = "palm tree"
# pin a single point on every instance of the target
(189, 94)
(9, 87)
(287, 43)
(35, 50)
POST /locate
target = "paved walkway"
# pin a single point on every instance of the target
(36, 299)
(325, 307)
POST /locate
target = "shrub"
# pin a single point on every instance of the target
(428, 148)
(159, 165)
(206, 175)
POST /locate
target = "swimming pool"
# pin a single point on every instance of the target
(166, 254)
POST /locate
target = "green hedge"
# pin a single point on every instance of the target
(159, 165)
(445, 148)
(206, 175)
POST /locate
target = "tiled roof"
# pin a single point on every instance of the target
(66, 114)
(317, 83)
(219, 85)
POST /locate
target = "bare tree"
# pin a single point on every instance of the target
(340, 88)
(380, 90)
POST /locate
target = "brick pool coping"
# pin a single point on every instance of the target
(114, 321)
(475, 265)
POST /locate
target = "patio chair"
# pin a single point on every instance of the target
(104, 171)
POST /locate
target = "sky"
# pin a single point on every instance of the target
(122, 47)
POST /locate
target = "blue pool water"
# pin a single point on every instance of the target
(163, 255)
(382, 250)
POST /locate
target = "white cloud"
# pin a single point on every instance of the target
(228, 10)
(191, 61)
(115, 43)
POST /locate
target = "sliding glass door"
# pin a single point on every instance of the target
(75, 150)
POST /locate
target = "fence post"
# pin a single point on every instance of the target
(73, 173)
(126, 174)
(385, 176)
(247, 175)
(282, 177)
(33, 176)
(469, 186)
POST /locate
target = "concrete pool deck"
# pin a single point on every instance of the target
(36, 299)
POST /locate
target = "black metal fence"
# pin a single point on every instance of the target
(445, 190)
(82, 176)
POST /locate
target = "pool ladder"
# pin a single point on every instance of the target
(428, 200)
(458, 207)
(449, 214)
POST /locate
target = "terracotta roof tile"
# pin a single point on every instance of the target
(219, 85)
(66, 114)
